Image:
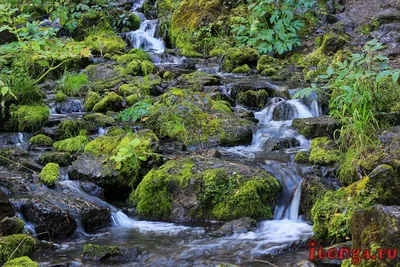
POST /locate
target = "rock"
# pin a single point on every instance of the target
(22, 262)
(316, 127)
(324, 151)
(7, 37)
(242, 225)
(111, 253)
(280, 143)
(384, 182)
(378, 226)
(302, 157)
(6, 209)
(213, 153)
(304, 263)
(312, 188)
(69, 106)
(16, 246)
(253, 99)
(11, 225)
(199, 79)
(104, 77)
(284, 111)
(202, 188)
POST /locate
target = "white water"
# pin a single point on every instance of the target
(120, 219)
(145, 37)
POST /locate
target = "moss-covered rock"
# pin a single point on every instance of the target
(60, 97)
(21, 262)
(61, 158)
(324, 151)
(111, 101)
(91, 99)
(242, 69)
(194, 118)
(12, 225)
(323, 126)
(99, 120)
(9, 244)
(41, 140)
(252, 99)
(115, 131)
(110, 253)
(148, 67)
(168, 75)
(133, 54)
(236, 57)
(302, 157)
(104, 77)
(71, 128)
(105, 42)
(72, 145)
(29, 118)
(388, 96)
(50, 174)
(331, 214)
(133, 68)
(268, 65)
(384, 182)
(198, 79)
(201, 188)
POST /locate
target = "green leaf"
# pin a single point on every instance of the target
(43, 63)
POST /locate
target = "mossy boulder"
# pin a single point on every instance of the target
(72, 128)
(133, 68)
(168, 75)
(331, 213)
(388, 96)
(198, 79)
(268, 65)
(60, 97)
(133, 54)
(384, 182)
(99, 120)
(110, 253)
(21, 262)
(324, 151)
(244, 69)
(105, 42)
(148, 67)
(198, 188)
(252, 99)
(72, 145)
(323, 126)
(236, 57)
(115, 131)
(302, 157)
(61, 158)
(16, 246)
(104, 77)
(41, 140)
(29, 118)
(111, 101)
(50, 174)
(91, 99)
(194, 118)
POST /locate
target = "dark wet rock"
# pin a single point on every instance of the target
(284, 111)
(111, 253)
(384, 181)
(61, 158)
(7, 37)
(6, 209)
(304, 263)
(323, 126)
(69, 106)
(104, 77)
(236, 133)
(378, 226)
(313, 187)
(253, 99)
(280, 143)
(199, 79)
(90, 168)
(242, 225)
(214, 153)
(335, 261)
(11, 225)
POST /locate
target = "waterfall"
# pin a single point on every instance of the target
(145, 37)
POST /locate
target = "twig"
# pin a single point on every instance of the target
(15, 250)
(267, 262)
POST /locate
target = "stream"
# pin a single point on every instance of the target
(279, 241)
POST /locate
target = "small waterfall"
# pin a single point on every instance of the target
(101, 131)
(145, 37)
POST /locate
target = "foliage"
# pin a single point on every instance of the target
(30, 118)
(71, 83)
(273, 25)
(353, 87)
(72, 144)
(137, 111)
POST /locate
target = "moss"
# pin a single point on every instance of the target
(50, 174)
(111, 101)
(139, 54)
(169, 75)
(95, 252)
(302, 157)
(91, 99)
(105, 42)
(61, 158)
(217, 52)
(252, 99)
(30, 118)
(70, 128)
(332, 213)
(222, 194)
(72, 83)
(134, 22)
(268, 65)
(236, 57)
(115, 131)
(9, 244)
(72, 145)
(21, 262)
(388, 95)
(132, 99)
(60, 97)
(133, 68)
(324, 151)
(148, 67)
(242, 69)
(41, 140)
(99, 120)
(198, 79)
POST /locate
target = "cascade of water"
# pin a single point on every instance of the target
(145, 37)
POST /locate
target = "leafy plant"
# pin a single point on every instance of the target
(273, 25)
(71, 83)
(139, 110)
(353, 89)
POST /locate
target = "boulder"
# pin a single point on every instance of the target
(324, 151)
(384, 182)
(14, 246)
(111, 253)
(323, 126)
(280, 143)
(11, 225)
(304, 263)
(253, 99)
(242, 225)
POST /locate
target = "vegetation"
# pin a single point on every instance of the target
(9, 245)
(71, 83)
(50, 174)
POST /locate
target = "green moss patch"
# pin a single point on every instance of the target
(50, 174)
(30, 118)
(72, 145)
(21, 262)
(41, 140)
(324, 151)
(9, 244)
